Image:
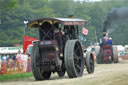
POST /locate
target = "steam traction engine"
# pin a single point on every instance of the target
(58, 49)
(107, 53)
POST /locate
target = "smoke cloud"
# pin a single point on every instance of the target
(116, 15)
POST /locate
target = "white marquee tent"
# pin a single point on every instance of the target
(10, 50)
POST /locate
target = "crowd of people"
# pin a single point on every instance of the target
(16, 63)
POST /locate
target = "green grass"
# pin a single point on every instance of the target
(15, 76)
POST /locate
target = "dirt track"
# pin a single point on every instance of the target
(105, 74)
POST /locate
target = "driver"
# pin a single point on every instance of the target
(104, 40)
(58, 37)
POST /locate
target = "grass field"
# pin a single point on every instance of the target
(15, 76)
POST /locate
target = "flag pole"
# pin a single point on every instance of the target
(25, 25)
(96, 35)
(82, 39)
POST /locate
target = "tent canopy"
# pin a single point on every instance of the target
(10, 50)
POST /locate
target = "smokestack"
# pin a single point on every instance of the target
(116, 15)
(71, 16)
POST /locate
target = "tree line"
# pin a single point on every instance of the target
(14, 12)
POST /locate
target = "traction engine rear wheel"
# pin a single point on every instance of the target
(73, 59)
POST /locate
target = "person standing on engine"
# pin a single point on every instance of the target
(110, 42)
(104, 40)
(58, 37)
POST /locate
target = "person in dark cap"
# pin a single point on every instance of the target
(58, 37)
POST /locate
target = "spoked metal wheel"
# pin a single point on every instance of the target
(36, 69)
(89, 62)
(73, 59)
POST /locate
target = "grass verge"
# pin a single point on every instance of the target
(15, 76)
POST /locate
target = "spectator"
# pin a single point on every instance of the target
(4, 60)
(19, 58)
(0, 62)
(10, 64)
(29, 69)
(14, 61)
(14, 57)
(25, 58)
(8, 57)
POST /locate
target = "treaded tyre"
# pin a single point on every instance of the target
(89, 62)
(73, 58)
(115, 54)
(36, 70)
(99, 57)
